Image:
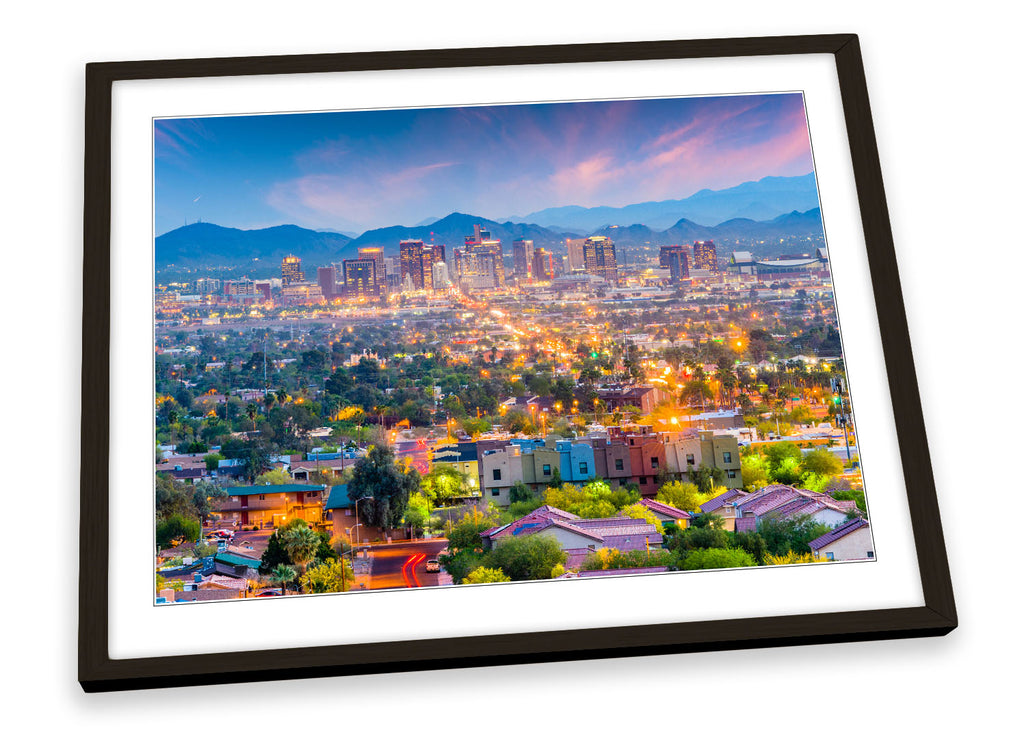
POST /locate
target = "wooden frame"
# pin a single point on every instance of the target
(99, 672)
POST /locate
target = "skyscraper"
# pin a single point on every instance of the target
(361, 278)
(599, 258)
(522, 258)
(704, 256)
(377, 254)
(677, 260)
(575, 249)
(326, 277)
(417, 260)
(481, 242)
(543, 265)
(291, 270)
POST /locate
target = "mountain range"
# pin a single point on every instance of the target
(761, 200)
(205, 245)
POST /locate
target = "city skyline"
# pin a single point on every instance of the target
(364, 169)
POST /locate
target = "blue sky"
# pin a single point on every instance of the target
(358, 170)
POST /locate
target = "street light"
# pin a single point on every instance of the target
(356, 505)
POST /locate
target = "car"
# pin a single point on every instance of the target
(269, 592)
(433, 566)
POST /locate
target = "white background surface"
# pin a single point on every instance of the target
(948, 134)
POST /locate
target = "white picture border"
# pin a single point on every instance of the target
(137, 628)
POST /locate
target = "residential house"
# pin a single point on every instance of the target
(723, 506)
(579, 537)
(667, 513)
(273, 505)
(849, 541)
(341, 516)
(686, 451)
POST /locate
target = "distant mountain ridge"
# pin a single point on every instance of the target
(208, 245)
(762, 200)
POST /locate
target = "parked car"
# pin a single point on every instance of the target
(269, 592)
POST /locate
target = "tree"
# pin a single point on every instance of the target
(711, 558)
(782, 535)
(257, 461)
(707, 477)
(465, 534)
(301, 543)
(486, 575)
(273, 477)
(520, 492)
(328, 577)
(417, 514)
(282, 574)
(529, 558)
(377, 475)
(176, 527)
(212, 461)
(459, 565)
(754, 471)
(822, 462)
(639, 511)
(444, 483)
(274, 555)
(681, 495)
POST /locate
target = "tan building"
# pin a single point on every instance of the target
(685, 453)
(273, 505)
(849, 541)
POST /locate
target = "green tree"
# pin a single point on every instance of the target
(274, 555)
(529, 558)
(486, 575)
(444, 483)
(707, 477)
(212, 461)
(711, 558)
(465, 534)
(282, 574)
(754, 471)
(790, 533)
(377, 475)
(822, 462)
(274, 477)
(177, 526)
(301, 543)
(417, 514)
(681, 495)
(257, 461)
(520, 492)
(328, 577)
(460, 564)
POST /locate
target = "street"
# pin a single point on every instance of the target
(403, 565)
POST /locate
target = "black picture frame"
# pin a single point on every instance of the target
(99, 672)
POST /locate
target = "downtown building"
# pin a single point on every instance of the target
(543, 265)
(599, 258)
(704, 256)
(481, 255)
(416, 260)
(677, 260)
(522, 259)
(361, 281)
(291, 270)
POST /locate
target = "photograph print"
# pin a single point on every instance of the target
(411, 348)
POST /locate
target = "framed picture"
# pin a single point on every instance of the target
(428, 359)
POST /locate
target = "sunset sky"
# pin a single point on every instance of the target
(358, 170)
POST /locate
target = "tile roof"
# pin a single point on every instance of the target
(666, 509)
(721, 500)
(841, 531)
(273, 489)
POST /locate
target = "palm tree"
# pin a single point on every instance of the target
(301, 544)
(282, 574)
(251, 411)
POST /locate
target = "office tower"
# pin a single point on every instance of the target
(704, 256)
(677, 260)
(360, 278)
(481, 242)
(575, 248)
(291, 270)
(206, 285)
(377, 254)
(417, 260)
(599, 258)
(440, 278)
(475, 268)
(326, 277)
(543, 265)
(522, 258)
(263, 289)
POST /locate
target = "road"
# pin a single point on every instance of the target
(403, 564)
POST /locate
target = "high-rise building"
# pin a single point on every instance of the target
(481, 242)
(575, 249)
(599, 258)
(677, 260)
(417, 260)
(291, 270)
(543, 265)
(704, 256)
(327, 277)
(475, 268)
(377, 254)
(206, 285)
(360, 278)
(439, 271)
(522, 258)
